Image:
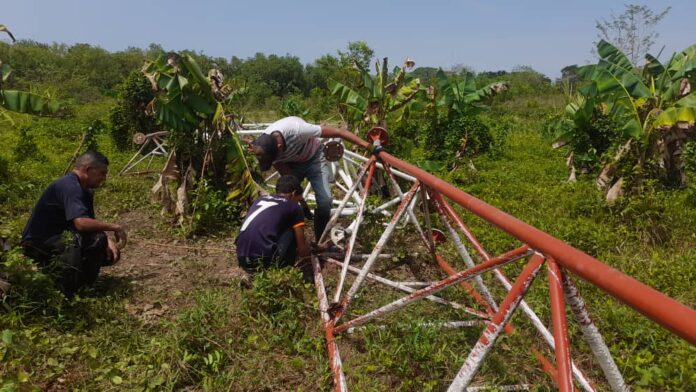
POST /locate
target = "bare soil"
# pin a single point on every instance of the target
(160, 273)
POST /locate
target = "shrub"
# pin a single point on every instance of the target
(128, 116)
(452, 138)
(26, 147)
(212, 212)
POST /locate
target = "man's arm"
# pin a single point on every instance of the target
(302, 245)
(343, 134)
(282, 168)
(85, 224)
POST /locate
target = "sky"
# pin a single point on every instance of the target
(482, 35)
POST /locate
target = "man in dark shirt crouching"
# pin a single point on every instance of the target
(62, 234)
(273, 231)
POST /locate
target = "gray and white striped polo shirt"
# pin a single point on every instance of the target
(301, 139)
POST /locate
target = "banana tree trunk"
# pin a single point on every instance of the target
(672, 149)
(607, 175)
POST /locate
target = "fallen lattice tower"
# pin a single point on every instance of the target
(354, 176)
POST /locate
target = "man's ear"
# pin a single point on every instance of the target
(255, 150)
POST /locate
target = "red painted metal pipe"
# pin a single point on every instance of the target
(660, 308)
(339, 380)
(546, 365)
(560, 327)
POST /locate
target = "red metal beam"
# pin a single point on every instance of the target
(560, 327)
(658, 307)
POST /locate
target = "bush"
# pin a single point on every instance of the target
(452, 138)
(26, 147)
(128, 116)
(212, 211)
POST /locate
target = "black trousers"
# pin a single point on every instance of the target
(73, 260)
(285, 255)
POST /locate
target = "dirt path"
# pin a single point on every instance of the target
(159, 274)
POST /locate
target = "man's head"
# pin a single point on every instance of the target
(265, 147)
(92, 168)
(289, 185)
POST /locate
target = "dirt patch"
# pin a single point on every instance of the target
(161, 273)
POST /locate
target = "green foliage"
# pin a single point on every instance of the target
(650, 112)
(460, 96)
(358, 54)
(453, 138)
(26, 147)
(587, 131)
(192, 106)
(524, 81)
(128, 116)
(212, 212)
(291, 107)
(375, 97)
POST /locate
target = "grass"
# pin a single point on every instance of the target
(217, 337)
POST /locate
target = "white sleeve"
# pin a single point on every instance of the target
(308, 130)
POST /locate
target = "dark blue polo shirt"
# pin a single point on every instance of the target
(63, 201)
(267, 219)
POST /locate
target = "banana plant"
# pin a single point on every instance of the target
(192, 106)
(460, 95)
(22, 101)
(654, 107)
(377, 97)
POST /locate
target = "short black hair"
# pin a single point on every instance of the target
(90, 158)
(267, 143)
(288, 184)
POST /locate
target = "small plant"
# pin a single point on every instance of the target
(128, 116)
(291, 107)
(26, 147)
(211, 212)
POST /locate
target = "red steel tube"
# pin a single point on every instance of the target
(546, 365)
(560, 327)
(339, 380)
(658, 307)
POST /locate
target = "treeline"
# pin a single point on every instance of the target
(83, 73)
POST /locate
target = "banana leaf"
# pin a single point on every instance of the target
(28, 103)
(653, 67)
(613, 56)
(243, 186)
(3, 29)
(5, 71)
(687, 101)
(676, 116)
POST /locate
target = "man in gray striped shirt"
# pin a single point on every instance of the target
(292, 146)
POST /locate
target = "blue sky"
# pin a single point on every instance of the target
(484, 35)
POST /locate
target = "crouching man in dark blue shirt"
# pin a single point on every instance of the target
(273, 231)
(62, 235)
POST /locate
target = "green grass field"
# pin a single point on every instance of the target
(171, 315)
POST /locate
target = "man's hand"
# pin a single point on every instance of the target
(121, 237)
(112, 252)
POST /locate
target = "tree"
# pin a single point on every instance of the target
(192, 106)
(21, 101)
(128, 116)
(654, 112)
(358, 53)
(377, 96)
(632, 32)
(569, 75)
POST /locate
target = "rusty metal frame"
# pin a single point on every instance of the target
(561, 260)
